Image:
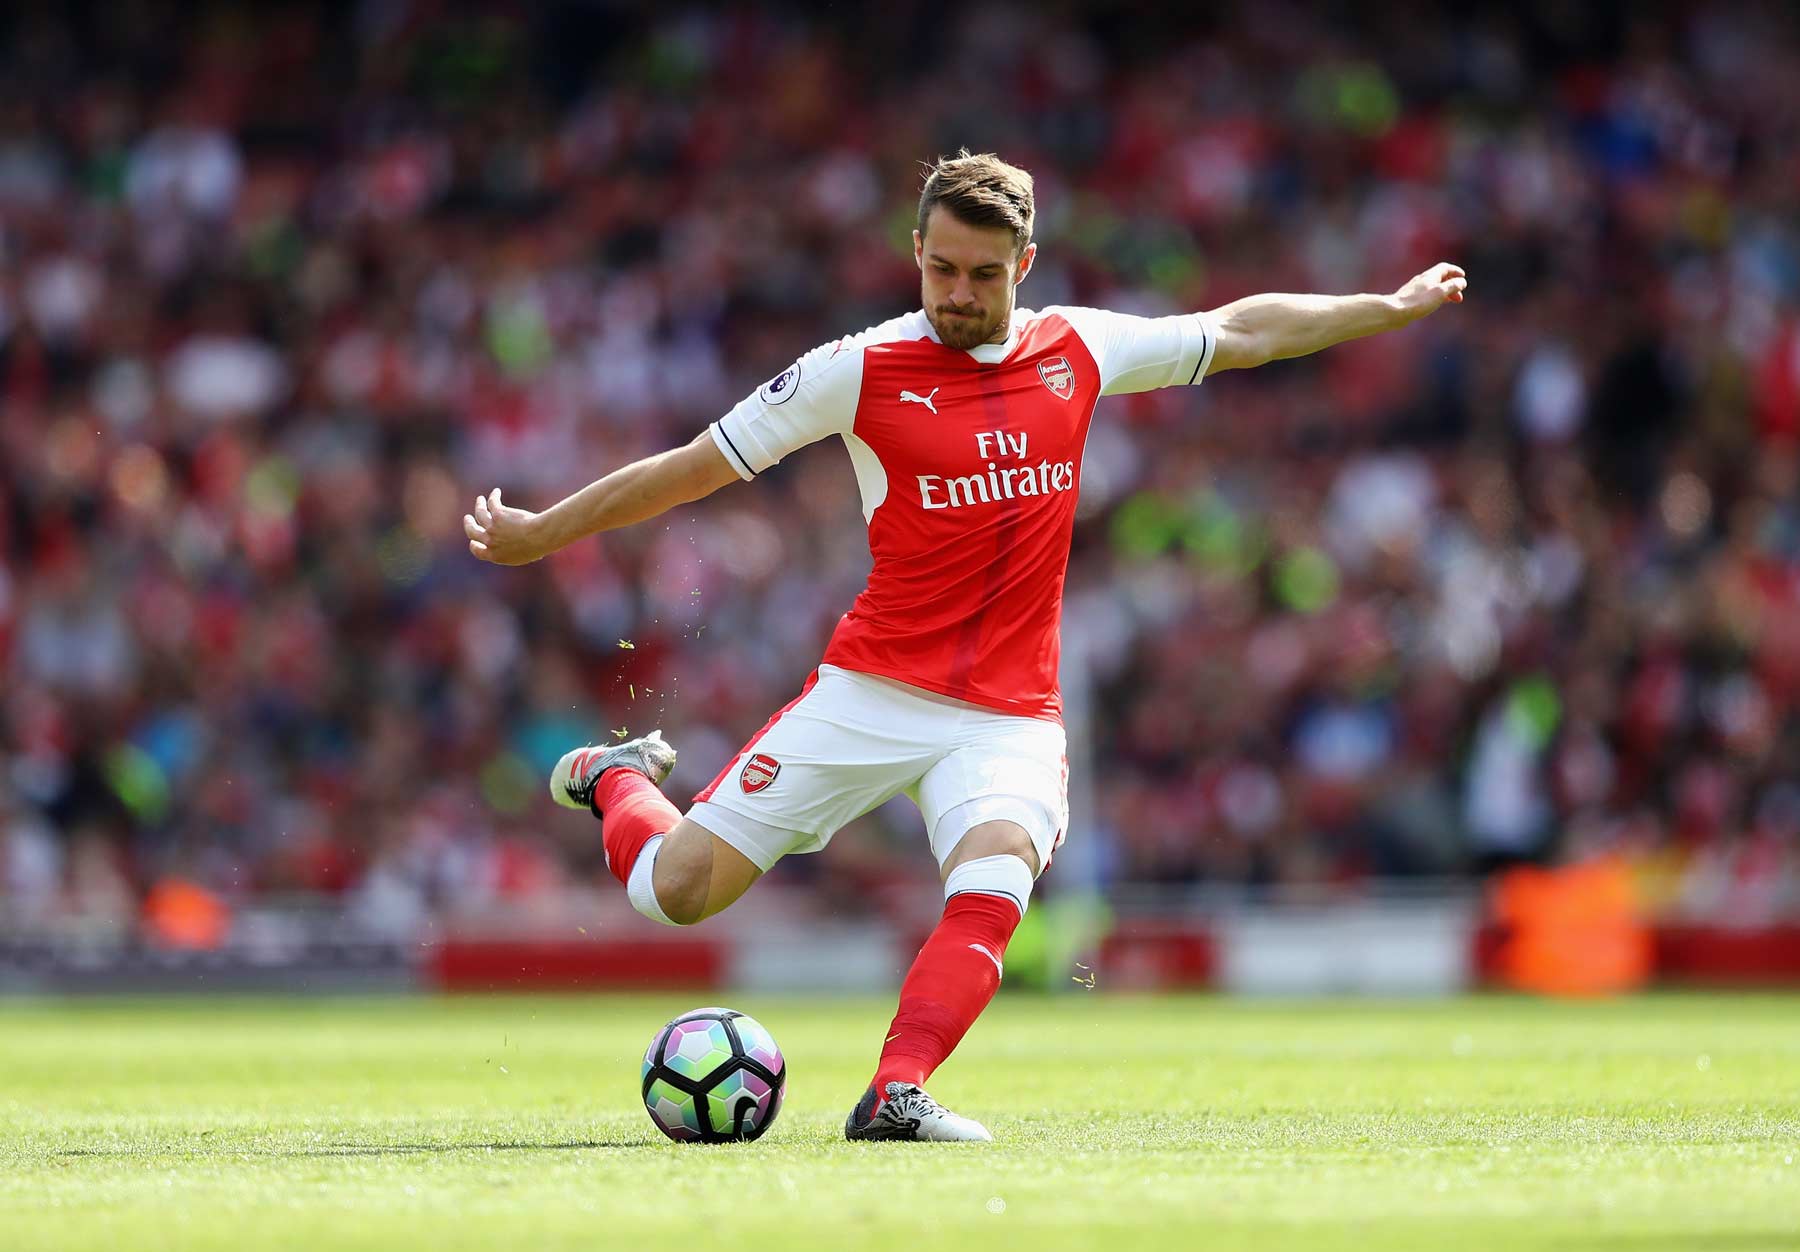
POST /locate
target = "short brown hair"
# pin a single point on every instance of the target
(982, 190)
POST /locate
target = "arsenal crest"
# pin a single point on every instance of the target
(1058, 375)
(758, 772)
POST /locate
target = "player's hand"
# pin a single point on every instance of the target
(501, 534)
(1426, 293)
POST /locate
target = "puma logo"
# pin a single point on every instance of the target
(925, 400)
(982, 948)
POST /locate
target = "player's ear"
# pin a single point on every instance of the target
(919, 250)
(1025, 259)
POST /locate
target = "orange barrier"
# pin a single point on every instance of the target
(185, 915)
(1574, 931)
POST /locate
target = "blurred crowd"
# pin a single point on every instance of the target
(283, 287)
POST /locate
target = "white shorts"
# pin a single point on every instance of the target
(852, 742)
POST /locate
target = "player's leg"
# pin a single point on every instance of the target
(987, 882)
(674, 870)
(825, 758)
(991, 845)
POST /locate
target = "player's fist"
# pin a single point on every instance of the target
(1427, 292)
(501, 534)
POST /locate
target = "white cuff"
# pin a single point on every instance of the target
(1004, 875)
(732, 453)
(1209, 340)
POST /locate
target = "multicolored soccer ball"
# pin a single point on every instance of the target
(713, 1076)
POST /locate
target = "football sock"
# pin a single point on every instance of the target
(957, 971)
(632, 812)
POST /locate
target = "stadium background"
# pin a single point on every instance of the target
(1347, 639)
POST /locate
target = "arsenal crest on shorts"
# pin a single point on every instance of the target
(758, 772)
(1058, 375)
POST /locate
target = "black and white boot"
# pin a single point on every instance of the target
(908, 1113)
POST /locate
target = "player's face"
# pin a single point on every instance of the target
(969, 276)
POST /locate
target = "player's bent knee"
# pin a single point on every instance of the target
(698, 874)
(993, 839)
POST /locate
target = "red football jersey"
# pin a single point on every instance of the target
(969, 463)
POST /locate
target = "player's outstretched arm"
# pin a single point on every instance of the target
(1259, 329)
(503, 535)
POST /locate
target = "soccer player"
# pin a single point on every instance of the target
(965, 421)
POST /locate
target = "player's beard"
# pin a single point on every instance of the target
(966, 332)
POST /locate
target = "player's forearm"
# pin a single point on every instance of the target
(1276, 326)
(635, 493)
(503, 535)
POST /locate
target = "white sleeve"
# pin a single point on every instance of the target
(1144, 353)
(811, 399)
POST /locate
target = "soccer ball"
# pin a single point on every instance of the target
(713, 1076)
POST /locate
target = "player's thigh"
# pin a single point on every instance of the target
(698, 874)
(1004, 772)
(845, 747)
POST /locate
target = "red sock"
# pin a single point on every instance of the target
(632, 812)
(950, 982)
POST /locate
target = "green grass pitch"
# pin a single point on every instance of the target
(1663, 1123)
